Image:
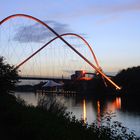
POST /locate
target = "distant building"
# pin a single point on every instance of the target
(81, 75)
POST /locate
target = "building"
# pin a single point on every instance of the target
(81, 75)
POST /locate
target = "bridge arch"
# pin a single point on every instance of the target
(58, 36)
(66, 34)
(61, 38)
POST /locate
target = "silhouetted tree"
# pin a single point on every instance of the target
(129, 79)
(8, 77)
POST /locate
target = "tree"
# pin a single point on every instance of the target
(8, 77)
(129, 79)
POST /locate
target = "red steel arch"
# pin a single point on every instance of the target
(66, 34)
(58, 36)
(61, 38)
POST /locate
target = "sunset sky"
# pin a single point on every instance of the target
(112, 27)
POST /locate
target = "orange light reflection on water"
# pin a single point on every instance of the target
(112, 106)
(118, 103)
(98, 113)
(115, 105)
(84, 111)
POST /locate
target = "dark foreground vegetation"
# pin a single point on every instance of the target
(49, 120)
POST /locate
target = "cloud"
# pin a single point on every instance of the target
(118, 8)
(38, 33)
(103, 9)
(113, 12)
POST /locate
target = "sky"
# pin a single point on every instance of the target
(112, 27)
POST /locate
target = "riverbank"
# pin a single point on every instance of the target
(19, 121)
(127, 79)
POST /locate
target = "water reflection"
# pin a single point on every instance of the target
(90, 109)
(118, 103)
(98, 113)
(114, 105)
(110, 106)
(29, 97)
(84, 111)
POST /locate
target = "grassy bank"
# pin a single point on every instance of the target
(49, 121)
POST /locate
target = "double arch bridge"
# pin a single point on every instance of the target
(96, 67)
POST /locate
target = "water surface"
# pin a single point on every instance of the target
(126, 110)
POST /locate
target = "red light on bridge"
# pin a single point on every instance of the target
(83, 72)
(85, 78)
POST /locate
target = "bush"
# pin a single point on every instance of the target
(51, 104)
(106, 129)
